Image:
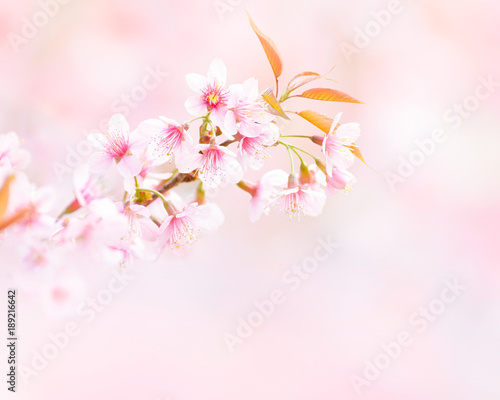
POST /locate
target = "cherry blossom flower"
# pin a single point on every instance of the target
(215, 164)
(87, 188)
(118, 145)
(166, 137)
(32, 206)
(299, 199)
(12, 157)
(140, 224)
(267, 189)
(99, 233)
(341, 179)
(146, 178)
(245, 114)
(336, 145)
(252, 151)
(183, 228)
(140, 227)
(211, 95)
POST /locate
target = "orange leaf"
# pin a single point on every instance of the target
(270, 49)
(4, 196)
(271, 99)
(319, 120)
(307, 77)
(355, 150)
(329, 95)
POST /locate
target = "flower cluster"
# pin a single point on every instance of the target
(233, 128)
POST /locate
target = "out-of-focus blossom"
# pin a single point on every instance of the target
(98, 233)
(183, 228)
(340, 179)
(145, 178)
(336, 145)
(12, 156)
(215, 164)
(268, 188)
(298, 199)
(118, 145)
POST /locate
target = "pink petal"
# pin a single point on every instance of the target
(196, 106)
(100, 162)
(129, 166)
(196, 82)
(118, 128)
(98, 140)
(217, 72)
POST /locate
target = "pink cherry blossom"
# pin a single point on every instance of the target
(267, 189)
(117, 145)
(32, 204)
(140, 224)
(245, 114)
(146, 178)
(166, 137)
(336, 145)
(183, 228)
(252, 151)
(341, 179)
(211, 95)
(298, 199)
(98, 232)
(215, 164)
(12, 156)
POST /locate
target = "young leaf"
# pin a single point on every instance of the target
(355, 150)
(4, 196)
(270, 49)
(329, 95)
(306, 78)
(271, 99)
(319, 120)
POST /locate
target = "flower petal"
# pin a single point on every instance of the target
(196, 82)
(100, 162)
(217, 72)
(196, 106)
(129, 166)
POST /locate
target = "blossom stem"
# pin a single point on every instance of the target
(197, 118)
(298, 155)
(304, 151)
(158, 194)
(297, 136)
(289, 155)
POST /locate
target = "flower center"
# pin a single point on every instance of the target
(214, 97)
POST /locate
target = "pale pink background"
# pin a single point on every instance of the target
(162, 337)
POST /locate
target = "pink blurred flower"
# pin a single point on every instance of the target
(146, 178)
(140, 224)
(300, 199)
(117, 145)
(11, 155)
(336, 145)
(183, 228)
(98, 233)
(268, 188)
(216, 164)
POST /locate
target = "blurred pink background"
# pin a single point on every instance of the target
(162, 337)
